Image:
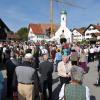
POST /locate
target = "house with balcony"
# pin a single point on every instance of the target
(78, 34)
(92, 31)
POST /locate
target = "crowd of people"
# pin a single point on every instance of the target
(30, 67)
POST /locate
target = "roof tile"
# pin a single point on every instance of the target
(96, 26)
(40, 29)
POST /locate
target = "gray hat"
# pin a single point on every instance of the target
(77, 73)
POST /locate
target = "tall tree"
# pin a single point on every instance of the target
(22, 34)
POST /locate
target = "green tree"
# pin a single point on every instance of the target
(84, 42)
(22, 34)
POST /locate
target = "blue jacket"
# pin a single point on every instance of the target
(58, 56)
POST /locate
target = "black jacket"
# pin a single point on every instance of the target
(99, 63)
(46, 70)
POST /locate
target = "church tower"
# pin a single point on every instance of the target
(63, 31)
(63, 18)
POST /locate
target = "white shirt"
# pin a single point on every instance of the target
(99, 49)
(64, 68)
(91, 50)
(44, 51)
(68, 67)
(86, 51)
(96, 49)
(4, 49)
(61, 94)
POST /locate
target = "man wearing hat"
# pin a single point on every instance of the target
(27, 79)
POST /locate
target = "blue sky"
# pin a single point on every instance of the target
(19, 13)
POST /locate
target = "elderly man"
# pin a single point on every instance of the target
(64, 68)
(27, 79)
(46, 70)
(75, 90)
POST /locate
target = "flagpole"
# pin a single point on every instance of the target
(51, 17)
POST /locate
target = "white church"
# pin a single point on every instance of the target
(63, 31)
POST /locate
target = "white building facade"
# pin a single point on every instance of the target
(90, 31)
(39, 32)
(77, 36)
(35, 37)
(98, 38)
(63, 31)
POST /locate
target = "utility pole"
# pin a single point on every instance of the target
(51, 17)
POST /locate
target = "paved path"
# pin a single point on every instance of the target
(89, 80)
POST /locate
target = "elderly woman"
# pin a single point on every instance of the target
(75, 90)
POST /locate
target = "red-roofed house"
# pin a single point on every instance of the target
(38, 32)
(92, 29)
(97, 35)
(78, 34)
